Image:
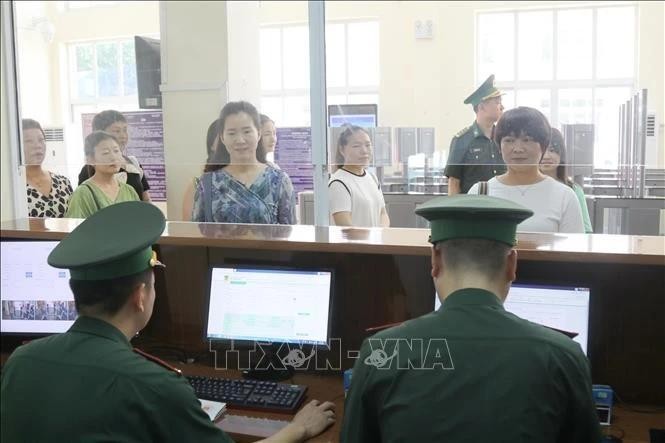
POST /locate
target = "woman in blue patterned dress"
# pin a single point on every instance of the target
(239, 187)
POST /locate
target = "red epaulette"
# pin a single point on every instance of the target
(157, 360)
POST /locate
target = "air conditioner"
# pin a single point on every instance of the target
(651, 151)
(56, 151)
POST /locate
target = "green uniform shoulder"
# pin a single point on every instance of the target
(464, 131)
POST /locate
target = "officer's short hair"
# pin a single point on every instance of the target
(106, 118)
(486, 257)
(106, 296)
(527, 121)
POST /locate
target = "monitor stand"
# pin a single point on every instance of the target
(271, 368)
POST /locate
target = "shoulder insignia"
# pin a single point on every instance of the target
(157, 360)
(462, 132)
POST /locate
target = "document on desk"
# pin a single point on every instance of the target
(213, 408)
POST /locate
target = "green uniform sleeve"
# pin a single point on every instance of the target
(181, 418)
(360, 423)
(454, 165)
(581, 422)
(81, 204)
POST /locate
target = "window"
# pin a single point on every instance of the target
(576, 65)
(101, 70)
(352, 68)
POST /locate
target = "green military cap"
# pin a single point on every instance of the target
(113, 242)
(485, 91)
(473, 216)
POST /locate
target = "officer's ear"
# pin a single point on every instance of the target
(138, 297)
(437, 261)
(511, 265)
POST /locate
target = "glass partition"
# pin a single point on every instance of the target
(401, 71)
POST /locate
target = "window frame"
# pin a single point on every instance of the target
(283, 93)
(555, 85)
(71, 69)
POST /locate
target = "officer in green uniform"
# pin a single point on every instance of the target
(88, 384)
(471, 372)
(473, 155)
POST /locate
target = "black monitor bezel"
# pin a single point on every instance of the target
(29, 335)
(249, 343)
(145, 72)
(354, 109)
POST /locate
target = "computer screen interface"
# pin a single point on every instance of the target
(35, 297)
(563, 308)
(274, 305)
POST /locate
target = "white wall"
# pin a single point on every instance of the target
(243, 51)
(194, 74)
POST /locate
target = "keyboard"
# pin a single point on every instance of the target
(250, 394)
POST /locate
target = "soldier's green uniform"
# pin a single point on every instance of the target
(471, 372)
(472, 156)
(88, 384)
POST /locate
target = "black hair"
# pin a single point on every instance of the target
(211, 137)
(106, 118)
(221, 158)
(558, 145)
(28, 123)
(343, 140)
(524, 121)
(265, 119)
(95, 138)
(106, 296)
(486, 257)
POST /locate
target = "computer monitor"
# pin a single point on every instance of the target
(36, 299)
(148, 72)
(560, 307)
(270, 305)
(364, 116)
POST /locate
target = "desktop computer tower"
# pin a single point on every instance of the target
(426, 141)
(579, 150)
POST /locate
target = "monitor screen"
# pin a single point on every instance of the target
(275, 305)
(36, 298)
(564, 308)
(364, 116)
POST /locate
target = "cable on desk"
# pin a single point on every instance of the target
(625, 405)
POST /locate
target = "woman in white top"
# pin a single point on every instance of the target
(268, 139)
(355, 196)
(524, 134)
(554, 165)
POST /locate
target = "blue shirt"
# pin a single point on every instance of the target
(268, 200)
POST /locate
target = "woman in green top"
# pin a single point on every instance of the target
(102, 189)
(553, 164)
